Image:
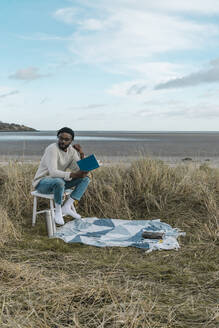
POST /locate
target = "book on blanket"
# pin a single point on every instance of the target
(88, 163)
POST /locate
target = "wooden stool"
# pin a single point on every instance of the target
(36, 194)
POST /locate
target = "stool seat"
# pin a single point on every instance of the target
(49, 196)
(37, 194)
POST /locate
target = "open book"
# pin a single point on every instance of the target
(88, 163)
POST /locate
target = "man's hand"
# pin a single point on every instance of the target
(78, 174)
(79, 149)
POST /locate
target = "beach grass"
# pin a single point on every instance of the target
(47, 283)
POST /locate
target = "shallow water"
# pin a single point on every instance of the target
(116, 143)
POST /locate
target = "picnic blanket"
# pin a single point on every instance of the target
(115, 232)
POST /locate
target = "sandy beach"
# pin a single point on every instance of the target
(125, 147)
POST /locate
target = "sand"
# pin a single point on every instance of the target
(173, 148)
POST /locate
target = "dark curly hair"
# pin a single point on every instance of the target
(66, 130)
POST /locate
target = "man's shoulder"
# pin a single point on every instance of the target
(50, 147)
(72, 151)
(71, 148)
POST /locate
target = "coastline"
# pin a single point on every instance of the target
(212, 162)
(119, 147)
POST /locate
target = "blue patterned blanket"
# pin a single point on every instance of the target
(114, 232)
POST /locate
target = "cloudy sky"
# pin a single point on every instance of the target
(110, 64)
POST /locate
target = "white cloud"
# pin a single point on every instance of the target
(129, 88)
(134, 31)
(43, 100)
(204, 76)
(152, 73)
(157, 72)
(91, 106)
(92, 24)
(45, 37)
(9, 93)
(27, 74)
(94, 117)
(126, 37)
(187, 6)
(66, 15)
(198, 111)
(178, 6)
(133, 35)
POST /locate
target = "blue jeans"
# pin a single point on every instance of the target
(57, 187)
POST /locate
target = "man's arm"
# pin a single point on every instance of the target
(51, 159)
(77, 155)
(79, 150)
(79, 174)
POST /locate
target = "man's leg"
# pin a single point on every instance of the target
(80, 185)
(54, 186)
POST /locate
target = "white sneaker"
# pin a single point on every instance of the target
(58, 216)
(75, 212)
(69, 209)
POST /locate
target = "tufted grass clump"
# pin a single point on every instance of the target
(7, 228)
(47, 283)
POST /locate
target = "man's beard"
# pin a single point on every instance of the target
(63, 146)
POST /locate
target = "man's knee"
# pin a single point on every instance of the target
(58, 182)
(86, 180)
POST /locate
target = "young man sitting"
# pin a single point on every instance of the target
(52, 177)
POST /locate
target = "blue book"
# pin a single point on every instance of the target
(88, 163)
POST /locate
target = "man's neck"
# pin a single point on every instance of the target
(65, 150)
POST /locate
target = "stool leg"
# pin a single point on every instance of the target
(49, 224)
(53, 215)
(34, 211)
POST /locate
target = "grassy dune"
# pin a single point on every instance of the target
(46, 283)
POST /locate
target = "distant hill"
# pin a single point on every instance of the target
(14, 127)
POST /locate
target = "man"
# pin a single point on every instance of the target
(52, 177)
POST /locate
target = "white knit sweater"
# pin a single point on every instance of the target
(55, 162)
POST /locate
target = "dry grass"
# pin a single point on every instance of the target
(7, 229)
(47, 283)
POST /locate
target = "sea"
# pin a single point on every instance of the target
(112, 145)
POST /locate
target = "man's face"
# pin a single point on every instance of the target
(64, 140)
